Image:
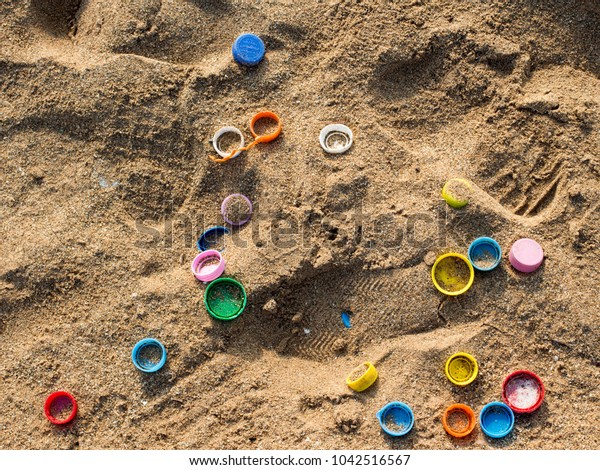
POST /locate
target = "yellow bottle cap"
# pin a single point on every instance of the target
(461, 368)
(456, 192)
(452, 274)
(362, 377)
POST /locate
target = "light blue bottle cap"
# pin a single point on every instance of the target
(145, 361)
(496, 419)
(484, 253)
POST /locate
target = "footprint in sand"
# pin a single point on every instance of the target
(166, 30)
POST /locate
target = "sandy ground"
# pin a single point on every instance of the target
(107, 108)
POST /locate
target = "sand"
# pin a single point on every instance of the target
(458, 421)
(107, 108)
(358, 372)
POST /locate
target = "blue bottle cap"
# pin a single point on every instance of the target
(396, 418)
(496, 419)
(484, 253)
(248, 49)
(149, 355)
(210, 237)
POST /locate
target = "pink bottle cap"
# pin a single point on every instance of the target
(208, 265)
(526, 255)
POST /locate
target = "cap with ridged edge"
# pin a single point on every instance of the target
(248, 49)
(526, 255)
(496, 420)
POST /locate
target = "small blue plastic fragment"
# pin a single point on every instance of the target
(346, 319)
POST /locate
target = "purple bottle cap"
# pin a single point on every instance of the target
(236, 209)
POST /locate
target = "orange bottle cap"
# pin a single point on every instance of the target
(265, 137)
(459, 420)
(257, 138)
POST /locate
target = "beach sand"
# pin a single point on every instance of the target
(107, 108)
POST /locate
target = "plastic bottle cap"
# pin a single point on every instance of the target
(149, 355)
(336, 138)
(523, 391)
(362, 377)
(264, 138)
(208, 265)
(396, 418)
(456, 192)
(484, 253)
(225, 298)
(459, 420)
(258, 138)
(236, 209)
(216, 140)
(461, 368)
(209, 237)
(58, 402)
(526, 255)
(452, 274)
(496, 420)
(248, 49)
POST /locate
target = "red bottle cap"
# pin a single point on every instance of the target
(57, 402)
(523, 391)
